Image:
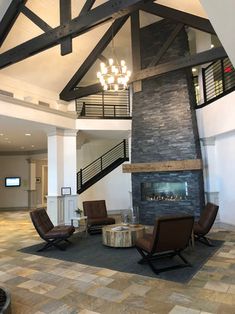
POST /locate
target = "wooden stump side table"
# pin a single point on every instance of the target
(120, 235)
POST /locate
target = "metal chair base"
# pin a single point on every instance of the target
(148, 258)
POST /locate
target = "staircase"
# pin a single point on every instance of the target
(100, 167)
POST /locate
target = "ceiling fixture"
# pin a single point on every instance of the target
(27, 134)
(114, 75)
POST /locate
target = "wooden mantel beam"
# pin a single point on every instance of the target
(161, 166)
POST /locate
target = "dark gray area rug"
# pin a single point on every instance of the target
(92, 252)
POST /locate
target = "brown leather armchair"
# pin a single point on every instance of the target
(171, 235)
(96, 213)
(53, 235)
(205, 222)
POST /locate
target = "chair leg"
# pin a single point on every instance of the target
(148, 258)
(203, 240)
(46, 246)
(184, 259)
(51, 243)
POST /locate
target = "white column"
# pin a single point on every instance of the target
(61, 173)
(32, 184)
(203, 42)
(210, 170)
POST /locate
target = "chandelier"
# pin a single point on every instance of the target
(114, 76)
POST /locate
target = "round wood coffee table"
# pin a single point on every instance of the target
(120, 235)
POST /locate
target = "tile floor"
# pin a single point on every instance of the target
(41, 285)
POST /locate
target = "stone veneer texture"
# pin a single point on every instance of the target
(164, 126)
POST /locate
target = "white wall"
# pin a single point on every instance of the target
(114, 187)
(15, 196)
(221, 16)
(225, 161)
(92, 150)
(217, 122)
(32, 93)
(218, 117)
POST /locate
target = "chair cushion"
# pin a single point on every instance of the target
(60, 232)
(101, 221)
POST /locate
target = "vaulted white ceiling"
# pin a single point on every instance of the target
(52, 71)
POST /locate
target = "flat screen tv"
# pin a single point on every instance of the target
(12, 181)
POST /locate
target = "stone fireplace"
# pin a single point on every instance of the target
(165, 144)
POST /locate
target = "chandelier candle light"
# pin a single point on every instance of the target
(114, 76)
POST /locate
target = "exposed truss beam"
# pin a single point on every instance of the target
(9, 18)
(93, 56)
(87, 6)
(179, 16)
(84, 91)
(103, 59)
(35, 19)
(181, 63)
(166, 45)
(135, 41)
(65, 16)
(135, 48)
(111, 9)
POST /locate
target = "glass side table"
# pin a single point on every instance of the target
(81, 224)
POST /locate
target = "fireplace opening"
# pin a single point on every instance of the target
(164, 191)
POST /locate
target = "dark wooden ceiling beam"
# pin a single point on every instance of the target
(155, 60)
(135, 48)
(84, 91)
(103, 58)
(179, 16)
(111, 9)
(181, 63)
(65, 16)
(135, 41)
(9, 18)
(35, 19)
(87, 6)
(93, 56)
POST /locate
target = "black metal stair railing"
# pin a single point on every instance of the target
(102, 166)
(218, 79)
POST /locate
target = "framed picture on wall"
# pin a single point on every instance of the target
(66, 190)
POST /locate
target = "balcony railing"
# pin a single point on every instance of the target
(218, 79)
(115, 105)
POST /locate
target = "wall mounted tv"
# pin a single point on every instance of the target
(12, 181)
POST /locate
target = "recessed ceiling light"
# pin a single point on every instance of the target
(1, 134)
(27, 134)
(194, 69)
(22, 147)
(212, 46)
(32, 145)
(9, 142)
